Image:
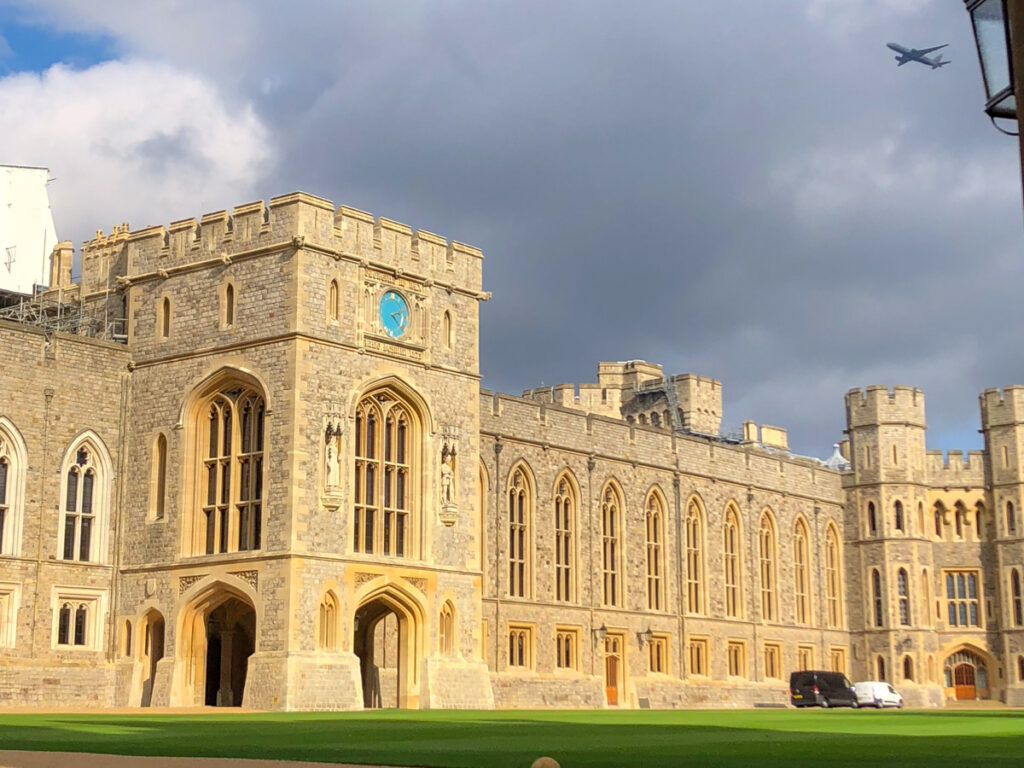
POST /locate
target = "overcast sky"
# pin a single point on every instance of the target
(743, 189)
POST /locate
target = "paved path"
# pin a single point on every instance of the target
(15, 759)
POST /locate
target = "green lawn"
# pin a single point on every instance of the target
(512, 739)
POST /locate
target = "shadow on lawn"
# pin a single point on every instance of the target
(511, 739)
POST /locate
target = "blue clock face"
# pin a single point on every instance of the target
(394, 313)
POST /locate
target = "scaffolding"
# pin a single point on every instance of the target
(50, 312)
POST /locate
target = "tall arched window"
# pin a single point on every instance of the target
(158, 482)
(733, 564)
(872, 521)
(447, 330)
(1011, 519)
(959, 518)
(327, 638)
(387, 436)
(1015, 594)
(231, 485)
(924, 618)
(694, 557)
(519, 500)
(801, 586)
(611, 510)
(897, 515)
(920, 518)
(446, 629)
(908, 668)
(5, 507)
(86, 479)
(881, 668)
(565, 539)
(165, 318)
(938, 523)
(229, 305)
(876, 597)
(655, 527)
(333, 308)
(903, 592)
(767, 550)
(12, 487)
(833, 578)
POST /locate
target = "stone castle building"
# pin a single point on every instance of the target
(246, 460)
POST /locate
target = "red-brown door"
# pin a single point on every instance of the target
(964, 682)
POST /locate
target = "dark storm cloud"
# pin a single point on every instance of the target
(747, 190)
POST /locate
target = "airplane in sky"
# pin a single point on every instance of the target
(914, 54)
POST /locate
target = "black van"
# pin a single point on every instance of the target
(813, 688)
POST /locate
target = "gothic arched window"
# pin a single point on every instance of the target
(327, 637)
(86, 481)
(733, 564)
(565, 539)
(12, 487)
(694, 557)
(767, 554)
(876, 597)
(872, 521)
(446, 629)
(655, 529)
(903, 592)
(801, 578)
(611, 510)
(386, 437)
(897, 515)
(519, 516)
(833, 578)
(231, 485)
(1015, 594)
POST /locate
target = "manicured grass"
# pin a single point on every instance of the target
(512, 739)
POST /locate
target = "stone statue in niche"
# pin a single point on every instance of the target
(332, 470)
(449, 509)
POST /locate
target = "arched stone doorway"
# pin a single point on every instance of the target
(151, 650)
(387, 632)
(218, 637)
(966, 676)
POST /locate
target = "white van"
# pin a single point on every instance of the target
(876, 694)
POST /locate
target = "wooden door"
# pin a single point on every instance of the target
(964, 682)
(612, 651)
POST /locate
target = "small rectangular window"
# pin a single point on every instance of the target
(657, 655)
(697, 651)
(567, 640)
(520, 646)
(773, 660)
(737, 655)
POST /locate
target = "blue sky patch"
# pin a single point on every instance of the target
(35, 48)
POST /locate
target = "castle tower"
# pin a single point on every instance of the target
(1002, 421)
(886, 516)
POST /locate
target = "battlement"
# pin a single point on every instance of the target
(1002, 407)
(293, 220)
(945, 470)
(882, 405)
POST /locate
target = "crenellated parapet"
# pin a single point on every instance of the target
(1002, 407)
(955, 469)
(639, 392)
(877, 405)
(296, 220)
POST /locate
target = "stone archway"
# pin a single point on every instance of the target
(218, 635)
(967, 675)
(387, 641)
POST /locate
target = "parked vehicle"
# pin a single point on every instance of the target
(877, 694)
(819, 688)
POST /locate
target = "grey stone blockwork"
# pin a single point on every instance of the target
(281, 301)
